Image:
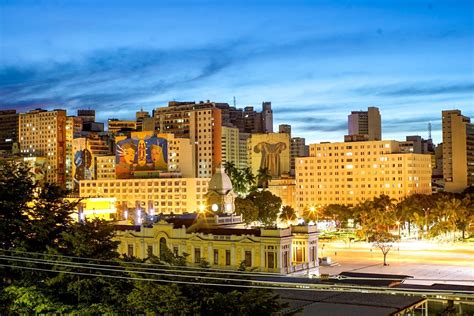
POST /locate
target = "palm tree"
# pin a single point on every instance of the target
(263, 177)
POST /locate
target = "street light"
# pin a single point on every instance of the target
(398, 224)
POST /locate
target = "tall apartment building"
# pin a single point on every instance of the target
(175, 117)
(8, 130)
(144, 121)
(116, 125)
(366, 125)
(43, 134)
(349, 173)
(284, 128)
(244, 158)
(230, 145)
(458, 151)
(206, 135)
(86, 115)
(298, 148)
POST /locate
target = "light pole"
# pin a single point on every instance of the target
(398, 224)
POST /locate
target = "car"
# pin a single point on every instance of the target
(325, 261)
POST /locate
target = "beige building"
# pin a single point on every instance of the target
(271, 151)
(243, 150)
(230, 145)
(458, 151)
(348, 173)
(285, 189)
(104, 167)
(224, 243)
(170, 195)
(365, 124)
(43, 133)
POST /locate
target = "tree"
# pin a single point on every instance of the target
(247, 209)
(384, 242)
(287, 214)
(268, 206)
(263, 177)
(338, 212)
(17, 189)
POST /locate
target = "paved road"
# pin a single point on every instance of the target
(441, 262)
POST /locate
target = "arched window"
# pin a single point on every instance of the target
(163, 246)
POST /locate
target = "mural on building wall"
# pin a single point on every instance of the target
(141, 156)
(83, 168)
(270, 158)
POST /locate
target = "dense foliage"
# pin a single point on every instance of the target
(50, 264)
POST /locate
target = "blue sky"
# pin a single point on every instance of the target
(315, 60)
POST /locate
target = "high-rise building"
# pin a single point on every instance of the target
(86, 115)
(364, 124)
(143, 121)
(206, 135)
(244, 160)
(417, 145)
(458, 151)
(284, 128)
(8, 129)
(74, 126)
(349, 173)
(298, 148)
(116, 125)
(230, 145)
(175, 117)
(43, 134)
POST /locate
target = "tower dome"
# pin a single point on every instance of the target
(220, 182)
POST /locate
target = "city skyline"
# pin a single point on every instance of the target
(314, 62)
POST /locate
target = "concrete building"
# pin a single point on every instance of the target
(104, 167)
(244, 159)
(285, 189)
(43, 133)
(271, 151)
(365, 124)
(298, 148)
(417, 145)
(8, 130)
(175, 117)
(349, 173)
(165, 195)
(144, 121)
(116, 125)
(284, 128)
(458, 151)
(230, 145)
(225, 243)
(86, 115)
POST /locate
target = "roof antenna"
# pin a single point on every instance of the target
(235, 102)
(429, 130)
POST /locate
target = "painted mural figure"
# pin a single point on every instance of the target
(126, 154)
(83, 164)
(270, 156)
(141, 156)
(157, 157)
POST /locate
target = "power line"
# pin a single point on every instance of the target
(121, 268)
(315, 287)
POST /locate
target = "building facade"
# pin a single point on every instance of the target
(8, 130)
(458, 151)
(366, 124)
(349, 173)
(230, 145)
(271, 151)
(43, 133)
(116, 125)
(224, 246)
(167, 195)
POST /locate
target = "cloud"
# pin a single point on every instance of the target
(108, 78)
(418, 89)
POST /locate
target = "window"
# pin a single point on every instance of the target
(271, 260)
(227, 257)
(163, 247)
(216, 256)
(248, 258)
(197, 255)
(175, 251)
(130, 251)
(150, 251)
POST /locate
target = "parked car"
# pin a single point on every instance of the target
(325, 261)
